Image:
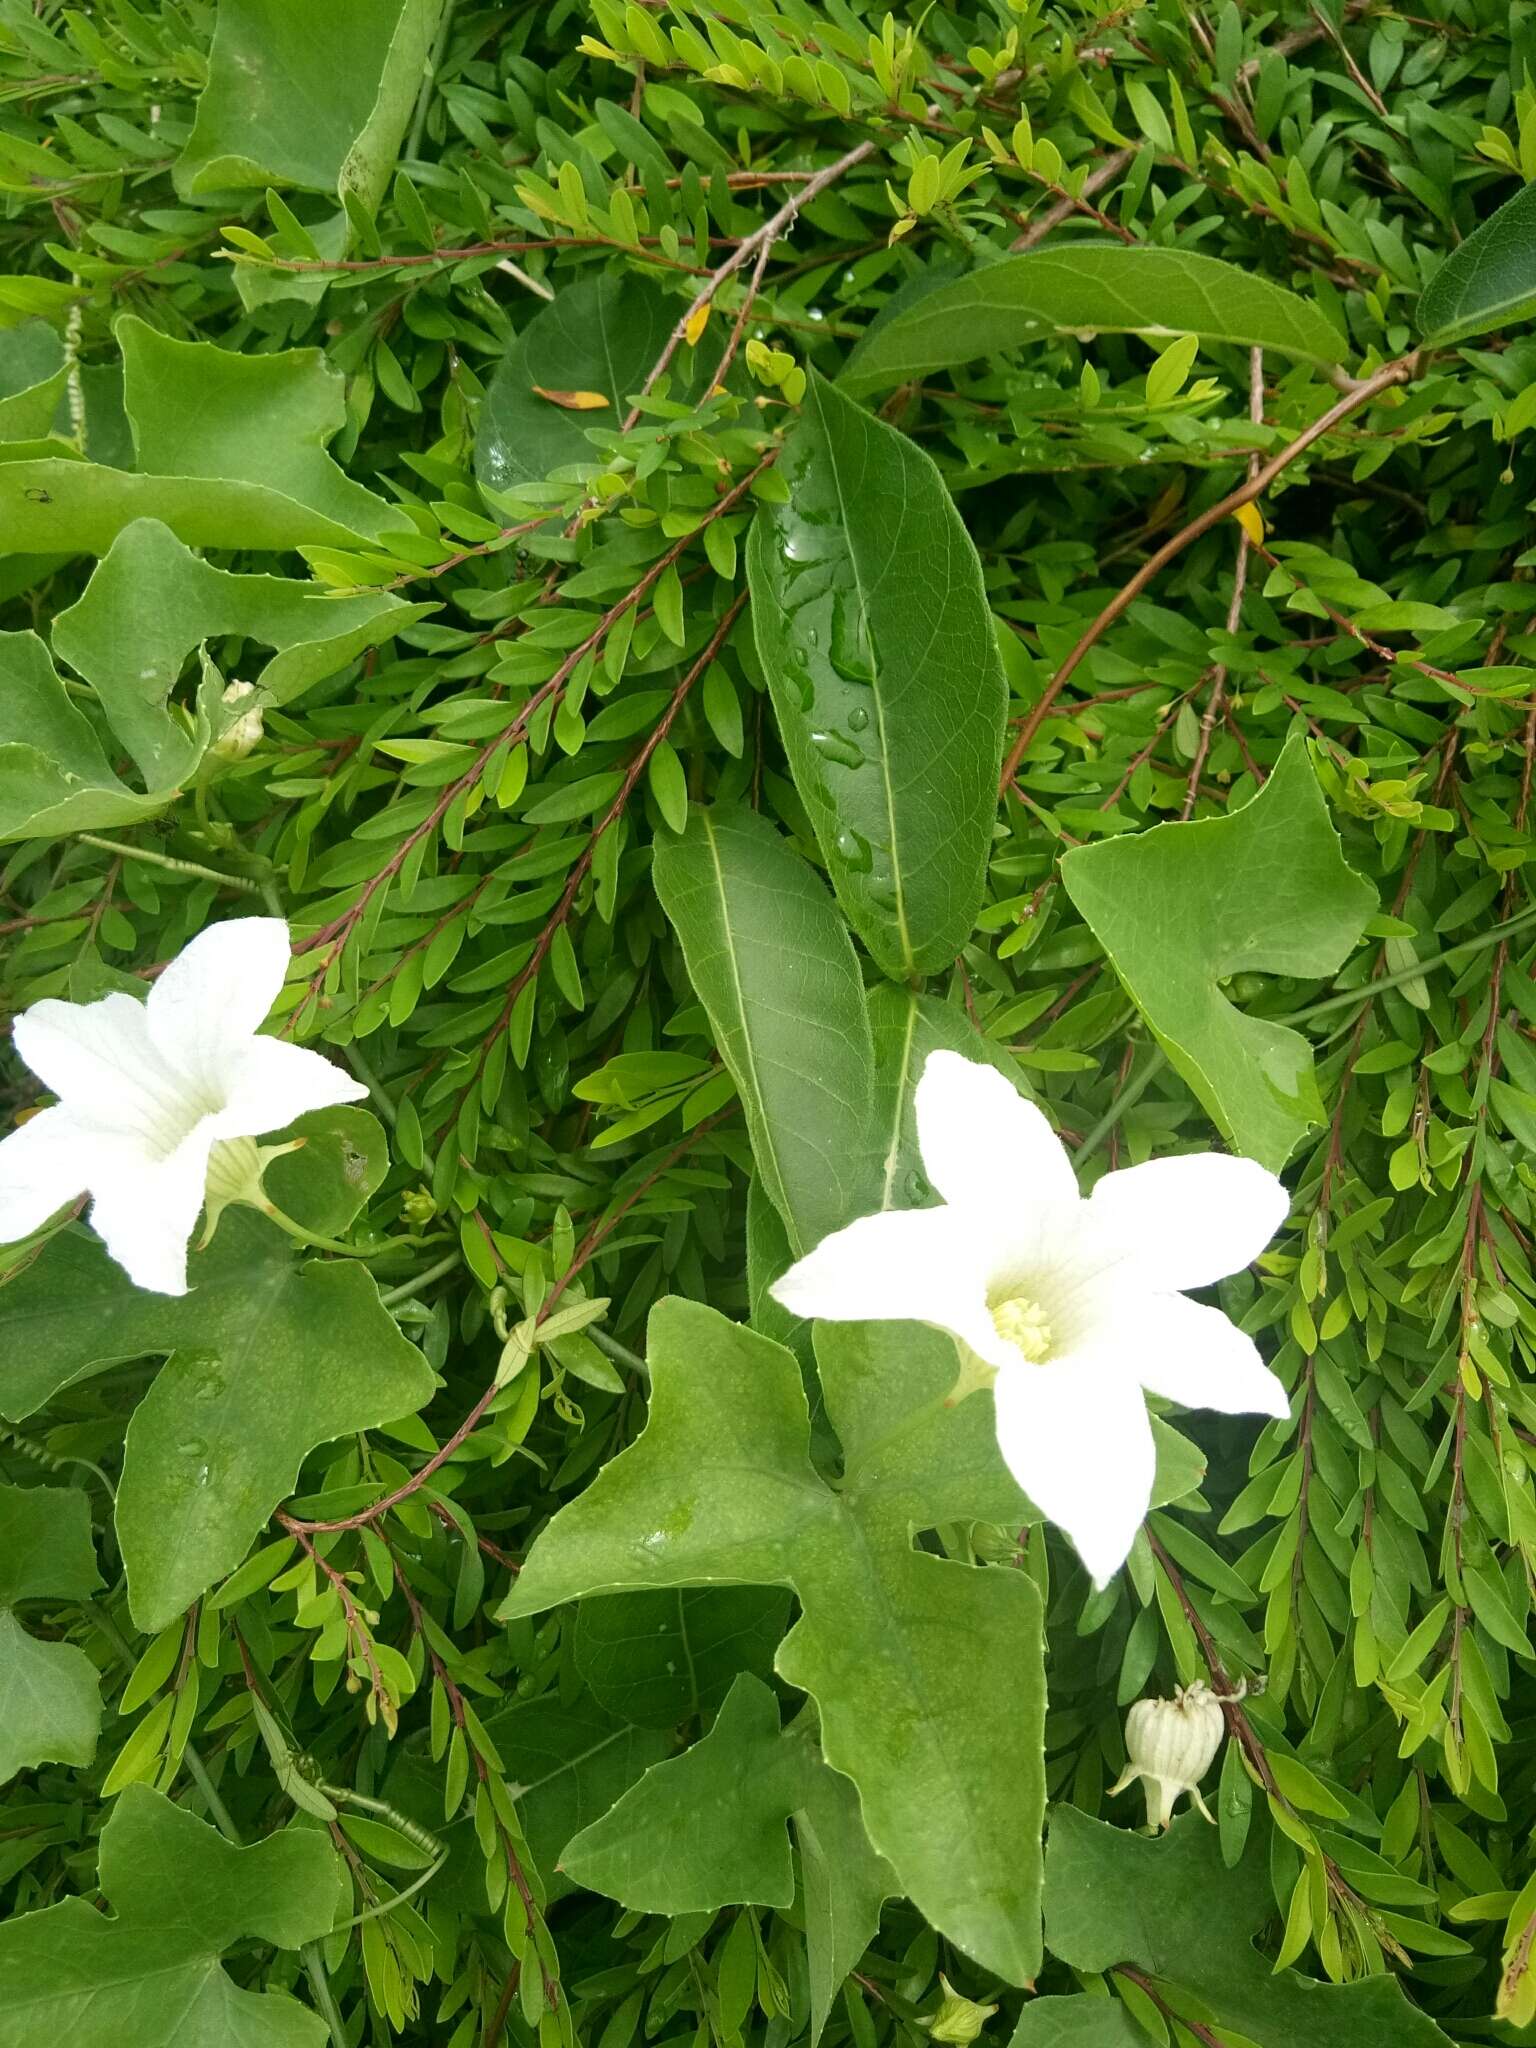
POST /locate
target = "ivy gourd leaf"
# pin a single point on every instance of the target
(1180, 908)
(50, 1696)
(150, 1974)
(268, 1355)
(1102, 287)
(661, 1658)
(231, 453)
(570, 1763)
(874, 633)
(927, 1673)
(773, 965)
(317, 98)
(707, 1829)
(151, 603)
(1170, 1907)
(55, 777)
(1487, 281)
(32, 378)
(1076, 2022)
(598, 337)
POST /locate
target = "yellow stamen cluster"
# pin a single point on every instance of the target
(1021, 1322)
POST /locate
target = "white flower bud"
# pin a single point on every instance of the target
(243, 734)
(1171, 1745)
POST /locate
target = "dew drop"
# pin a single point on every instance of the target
(917, 1187)
(202, 1475)
(854, 849)
(858, 718)
(837, 747)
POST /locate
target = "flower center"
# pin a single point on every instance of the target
(1021, 1322)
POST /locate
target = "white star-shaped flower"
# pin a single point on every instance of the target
(1070, 1306)
(146, 1090)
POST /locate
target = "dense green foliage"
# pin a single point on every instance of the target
(662, 467)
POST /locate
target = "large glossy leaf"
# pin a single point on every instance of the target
(149, 1974)
(1170, 1907)
(54, 775)
(875, 636)
(927, 1673)
(1487, 281)
(317, 97)
(50, 1696)
(152, 602)
(267, 1356)
(773, 965)
(1181, 908)
(1103, 287)
(599, 337)
(708, 1829)
(231, 453)
(659, 1659)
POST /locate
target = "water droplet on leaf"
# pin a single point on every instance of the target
(838, 747)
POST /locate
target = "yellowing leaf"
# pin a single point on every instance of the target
(573, 401)
(1251, 520)
(696, 322)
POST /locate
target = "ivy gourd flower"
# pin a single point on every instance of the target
(1171, 1744)
(1068, 1307)
(158, 1099)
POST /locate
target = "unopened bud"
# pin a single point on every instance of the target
(1171, 1744)
(958, 2020)
(243, 734)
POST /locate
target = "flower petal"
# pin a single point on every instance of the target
(145, 1211)
(272, 1083)
(1075, 1435)
(215, 995)
(1201, 1359)
(44, 1163)
(101, 1062)
(983, 1145)
(1186, 1221)
(907, 1265)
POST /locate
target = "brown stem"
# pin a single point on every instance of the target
(1067, 205)
(1398, 372)
(335, 933)
(745, 250)
(578, 874)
